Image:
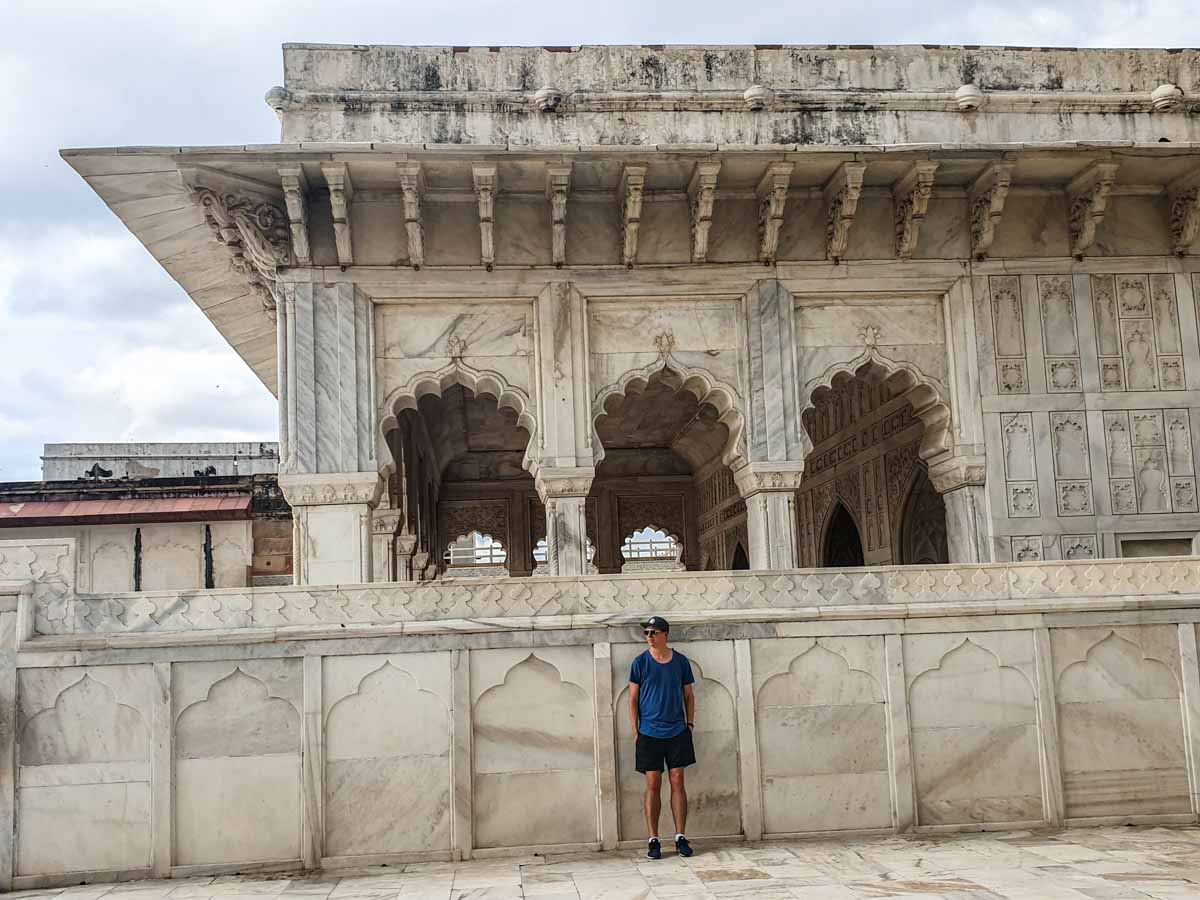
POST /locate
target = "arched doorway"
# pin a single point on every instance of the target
(871, 429)
(922, 539)
(843, 544)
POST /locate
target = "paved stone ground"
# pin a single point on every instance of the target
(1094, 864)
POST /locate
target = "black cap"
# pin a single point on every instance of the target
(657, 622)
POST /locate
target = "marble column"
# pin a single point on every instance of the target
(960, 481)
(332, 532)
(769, 490)
(383, 545)
(564, 495)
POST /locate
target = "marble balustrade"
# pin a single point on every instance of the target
(177, 733)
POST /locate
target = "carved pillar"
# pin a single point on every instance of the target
(770, 493)
(405, 546)
(774, 413)
(383, 545)
(564, 495)
(331, 525)
(960, 479)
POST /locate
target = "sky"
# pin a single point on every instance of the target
(97, 343)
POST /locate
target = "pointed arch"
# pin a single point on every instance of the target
(925, 394)
(480, 382)
(700, 383)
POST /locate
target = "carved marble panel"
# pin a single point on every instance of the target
(1069, 440)
(1147, 428)
(1057, 298)
(1151, 487)
(1011, 376)
(1166, 314)
(1062, 376)
(1183, 494)
(1124, 497)
(1023, 500)
(1140, 361)
(821, 733)
(1120, 720)
(1007, 317)
(1138, 332)
(971, 698)
(1027, 549)
(1104, 305)
(1016, 431)
(387, 753)
(1118, 444)
(172, 557)
(1179, 442)
(714, 807)
(1079, 546)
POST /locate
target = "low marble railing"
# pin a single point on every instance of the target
(460, 604)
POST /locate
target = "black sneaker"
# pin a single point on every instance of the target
(682, 847)
(654, 849)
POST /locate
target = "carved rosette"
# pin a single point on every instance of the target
(257, 233)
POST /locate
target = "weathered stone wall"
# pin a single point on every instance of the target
(370, 724)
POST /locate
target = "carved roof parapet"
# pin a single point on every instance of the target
(910, 201)
(1183, 197)
(841, 203)
(1088, 194)
(987, 196)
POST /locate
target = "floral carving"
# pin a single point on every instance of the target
(257, 233)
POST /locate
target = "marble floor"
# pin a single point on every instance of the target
(1093, 864)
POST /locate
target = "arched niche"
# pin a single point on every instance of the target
(665, 436)
(842, 545)
(871, 425)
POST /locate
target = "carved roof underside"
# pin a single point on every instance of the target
(233, 224)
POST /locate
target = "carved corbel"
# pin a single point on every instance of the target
(1088, 195)
(248, 218)
(558, 189)
(702, 192)
(295, 197)
(1183, 197)
(841, 203)
(485, 192)
(629, 195)
(910, 200)
(341, 193)
(772, 197)
(987, 198)
(412, 186)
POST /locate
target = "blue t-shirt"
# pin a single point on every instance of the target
(660, 697)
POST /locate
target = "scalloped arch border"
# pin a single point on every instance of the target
(923, 393)
(700, 383)
(480, 382)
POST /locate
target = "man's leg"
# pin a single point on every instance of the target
(678, 800)
(654, 802)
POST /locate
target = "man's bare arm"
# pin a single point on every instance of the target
(634, 690)
(689, 704)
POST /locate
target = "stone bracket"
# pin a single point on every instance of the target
(754, 478)
(563, 482)
(486, 185)
(910, 200)
(772, 193)
(295, 196)
(1183, 197)
(629, 196)
(841, 195)
(1087, 198)
(702, 193)
(412, 186)
(987, 196)
(341, 195)
(957, 472)
(558, 190)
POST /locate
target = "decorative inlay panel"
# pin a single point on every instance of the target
(1008, 325)
(1137, 332)
(1027, 549)
(1079, 546)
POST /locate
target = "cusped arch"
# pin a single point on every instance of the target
(819, 676)
(971, 686)
(388, 714)
(237, 717)
(86, 724)
(480, 382)
(924, 393)
(1139, 676)
(701, 384)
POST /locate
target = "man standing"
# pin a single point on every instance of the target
(662, 707)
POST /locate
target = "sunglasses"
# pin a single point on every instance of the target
(650, 632)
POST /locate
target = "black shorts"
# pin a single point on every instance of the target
(676, 752)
